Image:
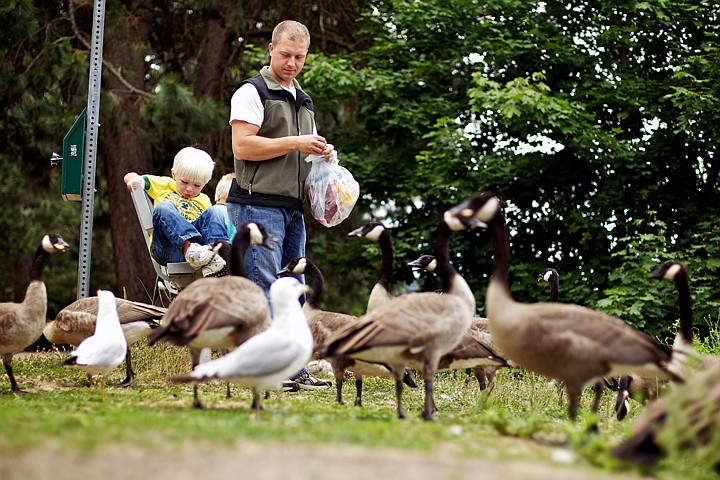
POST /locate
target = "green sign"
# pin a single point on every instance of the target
(72, 160)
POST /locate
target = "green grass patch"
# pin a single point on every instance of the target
(523, 419)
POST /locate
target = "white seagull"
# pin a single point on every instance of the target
(106, 348)
(272, 355)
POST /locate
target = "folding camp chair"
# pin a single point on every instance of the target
(173, 276)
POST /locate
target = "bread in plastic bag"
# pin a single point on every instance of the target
(331, 190)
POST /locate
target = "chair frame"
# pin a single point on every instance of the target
(173, 276)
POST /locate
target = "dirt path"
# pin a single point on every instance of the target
(261, 462)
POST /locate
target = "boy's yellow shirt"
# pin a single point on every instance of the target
(164, 188)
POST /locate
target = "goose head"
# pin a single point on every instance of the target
(296, 266)
(548, 275)
(52, 242)
(372, 231)
(425, 262)
(477, 210)
(670, 272)
(222, 248)
(256, 234)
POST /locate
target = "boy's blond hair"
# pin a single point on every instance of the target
(193, 165)
(222, 190)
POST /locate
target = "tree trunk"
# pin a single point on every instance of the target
(122, 151)
(212, 62)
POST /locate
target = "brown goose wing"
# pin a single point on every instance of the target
(620, 342)
(412, 320)
(215, 303)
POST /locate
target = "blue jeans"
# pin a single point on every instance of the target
(170, 230)
(287, 225)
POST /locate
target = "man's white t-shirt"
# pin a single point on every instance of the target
(246, 106)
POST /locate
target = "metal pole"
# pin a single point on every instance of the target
(91, 144)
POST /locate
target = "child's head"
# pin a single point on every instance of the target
(192, 170)
(193, 165)
(222, 190)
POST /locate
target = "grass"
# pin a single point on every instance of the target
(520, 422)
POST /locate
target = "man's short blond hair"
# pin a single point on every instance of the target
(193, 165)
(222, 190)
(290, 30)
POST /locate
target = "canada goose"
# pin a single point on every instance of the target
(565, 342)
(378, 233)
(551, 276)
(683, 347)
(686, 418)
(21, 324)
(413, 330)
(476, 350)
(105, 349)
(76, 322)
(323, 324)
(271, 356)
(643, 388)
(219, 312)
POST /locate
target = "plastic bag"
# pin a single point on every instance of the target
(331, 191)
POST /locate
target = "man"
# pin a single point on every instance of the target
(273, 130)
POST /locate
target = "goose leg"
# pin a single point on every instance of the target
(490, 372)
(256, 400)
(358, 390)
(7, 363)
(195, 361)
(429, 404)
(129, 373)
(339, 374)
(573, 394)
(398, 393)
(481, 377)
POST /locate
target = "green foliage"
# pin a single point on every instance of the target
(579, 118)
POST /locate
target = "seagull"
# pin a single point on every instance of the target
(270, 356)
(106, 348)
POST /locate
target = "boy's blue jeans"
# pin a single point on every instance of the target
(170, 230)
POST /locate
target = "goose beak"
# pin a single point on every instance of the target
(284, 271)
(656, 275)
(465, 215)
(414, 263)
(61, 245)
(356, 233)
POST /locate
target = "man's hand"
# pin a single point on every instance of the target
(312, 144)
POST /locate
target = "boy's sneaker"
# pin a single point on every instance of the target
(308, 382)
(198, 255)
(216, 268)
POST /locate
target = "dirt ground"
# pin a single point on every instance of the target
(262, 462)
